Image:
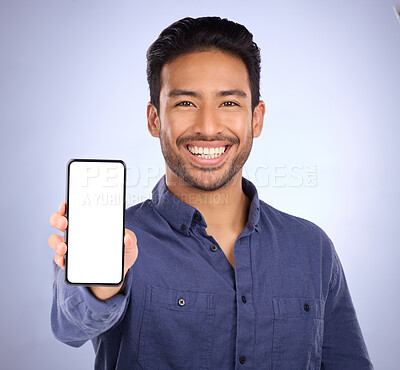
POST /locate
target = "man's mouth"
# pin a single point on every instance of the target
(207, 152)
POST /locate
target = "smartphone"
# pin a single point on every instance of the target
(95, 209)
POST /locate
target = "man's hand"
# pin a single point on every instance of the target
(56, 242)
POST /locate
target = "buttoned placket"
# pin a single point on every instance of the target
(213, 252)
(241, 278)
(246, 320)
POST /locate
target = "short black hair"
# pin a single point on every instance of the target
(201, 34)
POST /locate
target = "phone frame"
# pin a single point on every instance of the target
(123, 221)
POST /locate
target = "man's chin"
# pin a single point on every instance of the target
(205, 187)
(206, 182)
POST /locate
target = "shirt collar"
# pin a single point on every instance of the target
(181, 215)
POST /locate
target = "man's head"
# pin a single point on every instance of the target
(204, 84)
(190, 35)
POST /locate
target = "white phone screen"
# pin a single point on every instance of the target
(96, 222)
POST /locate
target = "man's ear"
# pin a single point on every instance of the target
(258, 118)
(153, 122)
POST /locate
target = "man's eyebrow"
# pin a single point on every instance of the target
(237, 92)
(180, 92)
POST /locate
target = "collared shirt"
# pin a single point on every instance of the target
(285, 305)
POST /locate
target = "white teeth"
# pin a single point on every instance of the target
(207, 153)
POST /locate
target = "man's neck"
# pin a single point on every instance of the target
(224, 209)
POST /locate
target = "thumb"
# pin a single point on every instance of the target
(129, 238)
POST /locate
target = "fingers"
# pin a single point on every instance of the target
(58, 220)
(61, 209)
(56, 242)
(59, 260)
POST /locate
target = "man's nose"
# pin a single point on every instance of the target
(208, 122)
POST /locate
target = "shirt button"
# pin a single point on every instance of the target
(213, 247)
(243, 299)
(183, 227)
(306, 307)
(242, 359)
(197, 217)
(181, 302)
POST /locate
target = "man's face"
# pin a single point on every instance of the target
(205, 122)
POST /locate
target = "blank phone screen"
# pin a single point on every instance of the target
(96, 222)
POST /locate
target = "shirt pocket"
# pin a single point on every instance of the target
(176, 329)
(298, 333)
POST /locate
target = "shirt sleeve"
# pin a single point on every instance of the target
(343, 345)
(77, 315)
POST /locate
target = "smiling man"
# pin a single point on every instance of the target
(206, 124)
(215, 278)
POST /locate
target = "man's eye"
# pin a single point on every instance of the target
(184, 104)
(229, 104)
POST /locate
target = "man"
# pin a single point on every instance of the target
(214, 277)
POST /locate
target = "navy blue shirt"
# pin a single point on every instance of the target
(285, 305)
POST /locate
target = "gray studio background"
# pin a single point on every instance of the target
(73, 84)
